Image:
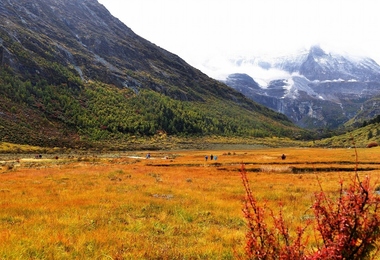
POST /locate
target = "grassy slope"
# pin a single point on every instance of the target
(360, 137)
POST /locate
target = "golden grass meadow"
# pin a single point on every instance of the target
(175, 205)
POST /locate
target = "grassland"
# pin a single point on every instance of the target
(174, 205)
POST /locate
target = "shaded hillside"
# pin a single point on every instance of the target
(368, 111)
(72, 74)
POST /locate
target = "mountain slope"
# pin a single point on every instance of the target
(315, 89)
(369, 110)
(72, 74)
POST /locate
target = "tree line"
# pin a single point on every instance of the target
(100, 111)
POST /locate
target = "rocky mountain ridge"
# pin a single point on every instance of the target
(320, 89)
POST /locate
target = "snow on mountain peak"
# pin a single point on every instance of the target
(313, 87)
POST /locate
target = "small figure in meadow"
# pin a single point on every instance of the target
(211, 157)
(148, 156)
(283, 156)
(206, 158)
(215, 157)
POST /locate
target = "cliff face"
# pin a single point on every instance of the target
(80, 35)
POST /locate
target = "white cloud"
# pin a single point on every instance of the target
(199, 29)
(220, 67)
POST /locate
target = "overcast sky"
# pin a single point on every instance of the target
(199, 29)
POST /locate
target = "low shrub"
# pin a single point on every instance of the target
(346, 227)
(372, 144)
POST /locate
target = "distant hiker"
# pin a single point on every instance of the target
(215, 157)
(148, 156)
(283, 156)
(211, 157)
(206, 158)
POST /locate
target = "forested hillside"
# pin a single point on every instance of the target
(73, 75)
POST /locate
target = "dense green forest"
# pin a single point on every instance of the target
(97, 111)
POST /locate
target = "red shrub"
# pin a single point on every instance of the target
(372, 144)
(348, 226)
(264, 242)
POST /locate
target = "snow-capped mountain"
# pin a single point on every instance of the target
(318, 65)
(314, 88)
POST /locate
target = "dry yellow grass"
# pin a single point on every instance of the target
(175, 205)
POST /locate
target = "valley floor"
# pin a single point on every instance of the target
(174, 205)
